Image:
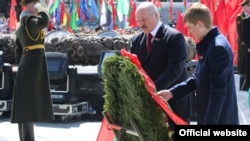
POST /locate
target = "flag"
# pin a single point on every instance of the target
(132, 19)
(105, 133)
(211, 5)
(231, 32)
(83, 10)
(55, 4)
(122, 9)
(220, 15)
(157, 3)
(73, 19)
(185, 5)
(180, 24)
(12, 19)
(114, 13)
(94, 8)
(62, 12)
(170, 10)
(103, 18)
(204, 2)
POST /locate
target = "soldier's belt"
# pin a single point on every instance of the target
(34, 47)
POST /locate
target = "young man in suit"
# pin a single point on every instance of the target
(163, 56)
(213, 80)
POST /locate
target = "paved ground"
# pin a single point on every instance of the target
(87, 130)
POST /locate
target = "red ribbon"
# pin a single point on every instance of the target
(152, 90)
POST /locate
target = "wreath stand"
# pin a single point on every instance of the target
(121, 130)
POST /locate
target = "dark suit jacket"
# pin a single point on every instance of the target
(213, 81)
(165, 63)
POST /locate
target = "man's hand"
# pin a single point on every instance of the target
(165, 95)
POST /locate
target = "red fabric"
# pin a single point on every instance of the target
(132, 20)
(171, 10)
(211, 6)
(180, 24)
(157, 3)
(62, 12)
(232, 34)
(12, 20)
(220, 14)
(203, 2)
(152, 90)
(111, 3)
(105, 134)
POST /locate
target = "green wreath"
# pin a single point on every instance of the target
(126, 98)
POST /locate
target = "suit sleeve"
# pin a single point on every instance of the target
(219, 60)
(177, 55)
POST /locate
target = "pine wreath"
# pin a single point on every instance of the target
(126, 98)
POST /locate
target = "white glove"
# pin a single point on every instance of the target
(41, 8)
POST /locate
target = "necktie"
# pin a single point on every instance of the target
(149, 38)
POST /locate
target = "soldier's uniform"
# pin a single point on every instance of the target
(31, 98)
(246, 37)
(241, 44)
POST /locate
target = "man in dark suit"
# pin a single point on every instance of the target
(162, 57)
(241, 50)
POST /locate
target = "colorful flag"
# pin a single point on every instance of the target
(114, 13)
(83, 10)
(94, 8)
(122, 9)
(55, 4)
(73, 19)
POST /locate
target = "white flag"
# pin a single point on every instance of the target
(103, 18)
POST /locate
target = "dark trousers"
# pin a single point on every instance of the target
(26, 131)
(241, 59)
(247, 71)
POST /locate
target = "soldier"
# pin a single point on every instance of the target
(241, 44)
(31, 99)
(246, 38)
(241, 52)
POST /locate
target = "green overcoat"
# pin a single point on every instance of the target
(31, 99)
